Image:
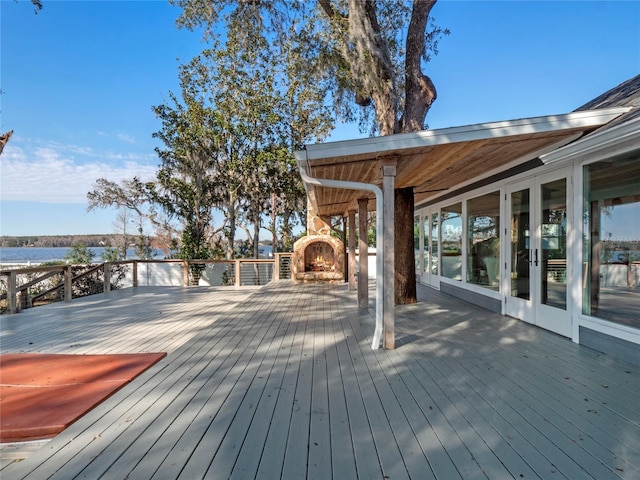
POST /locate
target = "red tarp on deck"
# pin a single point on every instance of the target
(42, 394)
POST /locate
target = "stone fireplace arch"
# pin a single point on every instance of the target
(318, 259)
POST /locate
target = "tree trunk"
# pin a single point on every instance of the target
(231, 231)
(370, 66)
(420, 92)
(256, 237)
(404, 254)
(274, 225)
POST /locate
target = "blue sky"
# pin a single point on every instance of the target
(79, 80)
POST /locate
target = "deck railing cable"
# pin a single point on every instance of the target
(22, 288)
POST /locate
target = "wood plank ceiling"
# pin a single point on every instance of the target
(432, 166)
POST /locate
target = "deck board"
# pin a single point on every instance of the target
(281, 382)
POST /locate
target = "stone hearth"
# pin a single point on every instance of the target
(318, 259)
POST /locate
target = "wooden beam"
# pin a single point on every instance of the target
(363, 254)
(107, 277)
(12, 292)
(135, 273)
(68, 283)
(352, 250)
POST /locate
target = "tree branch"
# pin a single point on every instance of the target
(420, 91)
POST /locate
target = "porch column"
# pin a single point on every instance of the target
(344, 247)
(352, 250)
(388, 167)
(363, 247)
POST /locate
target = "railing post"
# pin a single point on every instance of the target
(135, 273)
(276, 267)
(68, 280)
(11, 292)
(106, 266)
(185, 273)
(238, 283)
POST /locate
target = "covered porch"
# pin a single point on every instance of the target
(342, 178)
(281, 382)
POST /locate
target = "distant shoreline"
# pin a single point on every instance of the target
(61, 241)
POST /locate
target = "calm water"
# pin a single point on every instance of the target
(36, 255)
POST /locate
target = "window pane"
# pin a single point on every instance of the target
(611, 275)
(553, 278)
(483, 241)
(435, 239)
(425, 251)
(520, 244)
(452, 241)
(416, 241)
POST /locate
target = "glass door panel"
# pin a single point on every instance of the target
(426, 258)
(539, 219)
(435, 252)
(553, 219)
(520, 244)
(553, 247)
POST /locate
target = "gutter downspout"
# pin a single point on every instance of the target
(325, 182)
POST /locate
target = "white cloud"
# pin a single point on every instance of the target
(126, 138)
(52, 174)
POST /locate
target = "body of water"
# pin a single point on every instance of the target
(35, 255)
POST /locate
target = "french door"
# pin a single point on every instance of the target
(539, 216)
(431, 263)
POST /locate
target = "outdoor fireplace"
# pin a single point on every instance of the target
(318, 259)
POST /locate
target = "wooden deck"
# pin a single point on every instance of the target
(280, 382)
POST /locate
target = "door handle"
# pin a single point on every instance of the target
(536, 258)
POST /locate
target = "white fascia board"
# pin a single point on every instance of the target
(379, 146)
(608, 143)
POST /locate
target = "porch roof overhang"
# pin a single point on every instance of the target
(434, 162)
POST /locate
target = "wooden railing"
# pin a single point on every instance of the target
(24, 287)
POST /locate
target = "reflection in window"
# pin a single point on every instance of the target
(611, 275)
(451, 237)
(434, 244)
(416, 242)
(483, 242)
(425, 251)
(553, 230)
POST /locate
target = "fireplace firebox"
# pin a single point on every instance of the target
(318, 259)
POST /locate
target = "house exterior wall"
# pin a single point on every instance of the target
(595, 279)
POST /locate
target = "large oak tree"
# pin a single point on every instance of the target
(368, 55)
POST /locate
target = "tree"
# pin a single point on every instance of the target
(143, 244)
(132, 195)
(110, 254)
(184, 186)
(4, 138)
(356, 52)
(121, 226)
(261, 110)
(79, 254)
(37, 4)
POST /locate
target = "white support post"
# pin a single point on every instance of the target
(388, 167)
